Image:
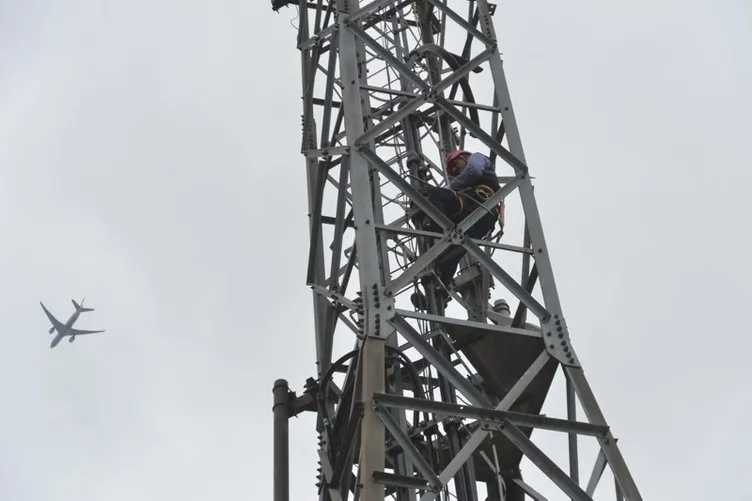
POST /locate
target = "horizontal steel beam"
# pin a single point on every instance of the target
(492, 329)
(491, 415)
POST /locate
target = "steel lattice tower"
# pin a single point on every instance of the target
(431, 404)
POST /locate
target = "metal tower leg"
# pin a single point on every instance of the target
(427, 401)
(281, 411)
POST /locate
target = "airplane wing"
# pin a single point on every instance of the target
(55, 322)
(77, 332)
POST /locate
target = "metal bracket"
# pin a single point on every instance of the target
(556, 338)
(455, 236)
(328, 152)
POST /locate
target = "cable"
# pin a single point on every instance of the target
(297, 15)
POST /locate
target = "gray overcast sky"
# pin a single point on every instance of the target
(149, 161)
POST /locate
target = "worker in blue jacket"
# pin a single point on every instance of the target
(472, 180)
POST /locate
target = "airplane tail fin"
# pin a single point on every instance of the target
(80, 307)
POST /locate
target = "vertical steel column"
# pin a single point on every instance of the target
(373, 436)
(423, 12)
(364, 185)
(281, 409)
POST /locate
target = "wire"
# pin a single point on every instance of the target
(297, 15)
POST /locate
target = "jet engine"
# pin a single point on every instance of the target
(52, 329)
(71, 339)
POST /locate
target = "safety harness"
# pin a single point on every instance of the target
(475, 196)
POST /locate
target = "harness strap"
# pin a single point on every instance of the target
(484, 192)
(461, 203)
(479, 194)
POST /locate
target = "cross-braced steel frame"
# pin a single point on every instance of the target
(442, 402)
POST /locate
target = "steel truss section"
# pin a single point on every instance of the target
(440, 403)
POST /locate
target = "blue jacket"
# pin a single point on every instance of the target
(478, 168)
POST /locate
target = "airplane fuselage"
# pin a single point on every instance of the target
(60, 335)
(66, 329)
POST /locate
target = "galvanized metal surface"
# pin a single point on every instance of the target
(281, 410)
(437, 404)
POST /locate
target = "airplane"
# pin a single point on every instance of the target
(66, 329)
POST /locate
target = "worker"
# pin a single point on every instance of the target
(472, 180)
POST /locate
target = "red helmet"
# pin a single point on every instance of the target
(451, 157)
